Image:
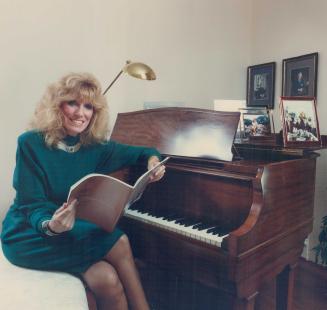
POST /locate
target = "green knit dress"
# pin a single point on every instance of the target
(42, 179)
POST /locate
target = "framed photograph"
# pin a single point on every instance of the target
(261, 85)
(300, 76)
(300, 122)
(256, 124)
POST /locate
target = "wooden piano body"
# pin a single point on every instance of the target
(260, 200)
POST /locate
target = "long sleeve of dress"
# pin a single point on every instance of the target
(118, 156)
(31, 186)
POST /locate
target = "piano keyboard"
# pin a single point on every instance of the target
(194, 231)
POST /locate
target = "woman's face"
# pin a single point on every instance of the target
(77, 116)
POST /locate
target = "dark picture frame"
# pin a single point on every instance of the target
(299, 78)
(260, 91)
(300, 122)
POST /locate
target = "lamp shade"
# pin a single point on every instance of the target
(135, 69)
(139, 70)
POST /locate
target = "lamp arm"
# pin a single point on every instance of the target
(115, 79)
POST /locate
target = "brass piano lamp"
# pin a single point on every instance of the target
(137, 70)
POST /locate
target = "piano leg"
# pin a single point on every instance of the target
(284, 288)
(245, 303)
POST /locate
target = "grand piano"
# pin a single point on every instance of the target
(226, 219)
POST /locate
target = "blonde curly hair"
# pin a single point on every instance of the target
(48, 117)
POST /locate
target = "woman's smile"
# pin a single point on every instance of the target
(77, 116)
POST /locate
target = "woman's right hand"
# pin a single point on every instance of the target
(64, 218)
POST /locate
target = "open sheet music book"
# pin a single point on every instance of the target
(102, 198)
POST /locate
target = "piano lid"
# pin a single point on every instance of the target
(187, 132)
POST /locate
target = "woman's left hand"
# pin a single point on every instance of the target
(158, 173)
(64, 217)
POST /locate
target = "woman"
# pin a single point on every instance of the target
(68, 141)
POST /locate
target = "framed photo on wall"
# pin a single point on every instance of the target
(300, 122)
(299, 77)
(261, 85)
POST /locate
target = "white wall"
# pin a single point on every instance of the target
(198, 49)
(289, 28)
(193, 46)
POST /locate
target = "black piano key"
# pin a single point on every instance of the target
(190, 222)
(213, 230)
(197, 225)
(172, 217)
(218, 231)
(143, 211)
(181, 221)
(202, 226)
(169, 215)
(160, 213)
(133, 207)
(206, 226)
(223, 232)
(138, 208)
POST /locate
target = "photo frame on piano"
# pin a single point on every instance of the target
(300, 122)
(256, 124)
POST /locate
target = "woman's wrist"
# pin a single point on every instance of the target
(47, 229)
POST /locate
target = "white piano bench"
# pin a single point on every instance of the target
(22, 288)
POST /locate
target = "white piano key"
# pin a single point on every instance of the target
(190, 232)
